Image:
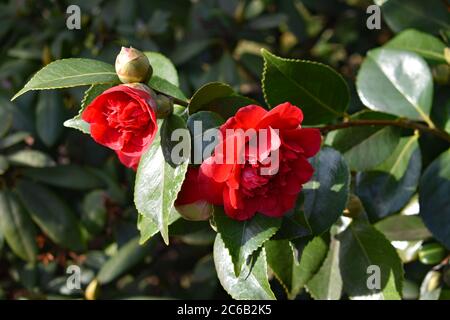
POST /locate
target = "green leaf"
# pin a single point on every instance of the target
(169, 145)
(396, 82)
(148, 228)
(17, 227)
(326, 193)
(363, 246)
(382, 194)
(425, 45)
(157, 186)
(434, 198)
(364, 148)
(30, 158)
(163, 86)
(186, 51)
(428, 16)
(4, 164)
(94, 211)
(252, 283)
(199, 124)
(398, 161)
(7, 120)
(303, 84)
(403, 228)
(70, 73)
(65, 176)
(295, 263)
(93, 92)
(293, 224)
(49, 117)
(13, 139)
(52, 215)
(163, 67)
(326, 284)
(218, 97)
(129, 255)
(242, 238)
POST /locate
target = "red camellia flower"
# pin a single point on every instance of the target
(241, 186)
(123, 119)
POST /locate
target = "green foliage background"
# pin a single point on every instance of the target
(72, 201)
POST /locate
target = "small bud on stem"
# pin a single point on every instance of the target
(133, 66)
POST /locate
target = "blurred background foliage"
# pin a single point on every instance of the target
(75, 199)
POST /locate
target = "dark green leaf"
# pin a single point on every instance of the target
(163, 67)
(157, 186)
(66, 176)
(242, 238)
(179, 142)
(70, 73)
(217, 97)
(428, 16)
(434, 198)
(382, 194)
(52, 215)
(49, 116)
(163, 86)
(30, 158)
(252, 283)
(403, 228)
(303, 84)
(326, 193)
(326, 284)
(425, 45)
(396, 82)
(363, 246)
(17, 227)
(94, 211)
(126, 257)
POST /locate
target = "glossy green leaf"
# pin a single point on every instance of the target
(434, 198)
(65, 176)
(148, 228)
(396, 82)
(175, 146)
(70, 73)
(242, 238)
(129, 255)
(397, 163)
(30, 158)
(362, 246)
(52, 215)
(49, 116)
(13, 139)
(16, 227)
(428, 16)
(326, 193)
(403, 228)
(77, 122)
(163, 86)
(303, 84)
(218, 97)
(364, 148)
(157, 186)
(326, 284)
(163, 67)
(382, 194)
(252, 282)
(424, 44)
(200, 125)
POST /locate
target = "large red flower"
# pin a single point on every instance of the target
(123, 119)
(241, 186)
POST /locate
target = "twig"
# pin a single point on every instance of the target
(395, 123)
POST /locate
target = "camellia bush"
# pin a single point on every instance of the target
(300, 193)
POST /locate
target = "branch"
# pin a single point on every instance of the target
(395, 123)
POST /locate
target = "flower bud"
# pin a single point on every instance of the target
(133, 66)
(197, 211)
(164, 106)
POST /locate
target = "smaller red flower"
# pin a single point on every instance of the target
(123, 119)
